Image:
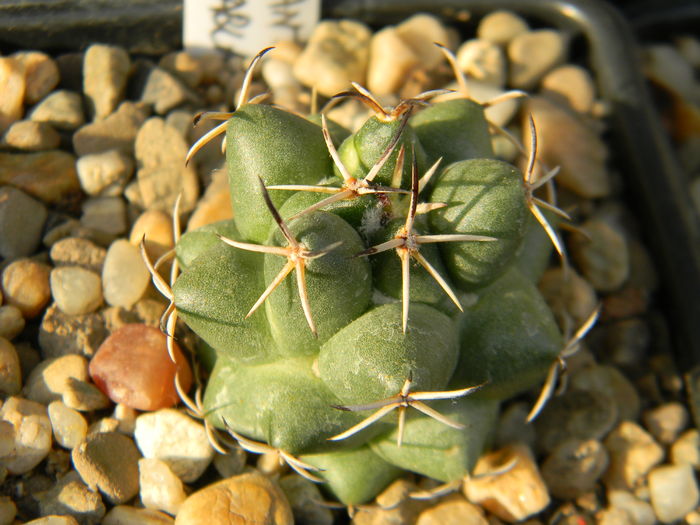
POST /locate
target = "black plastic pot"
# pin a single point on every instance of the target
(656, 186)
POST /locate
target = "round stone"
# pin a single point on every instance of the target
(76, 290)
(25, 284)
(124, 274)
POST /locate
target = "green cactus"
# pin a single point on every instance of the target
(349, 287)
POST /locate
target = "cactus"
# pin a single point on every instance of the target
(365, 312)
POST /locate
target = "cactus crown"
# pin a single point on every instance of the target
(349, 286)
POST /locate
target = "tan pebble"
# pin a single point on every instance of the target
(70, 496)
(126, 416)
(610, 381)
(28, 135)
(132, 366)
(666, 421)
(159, 488)
(10, 370)
(252, 496)
(77, 291)
(420, 32)
(483, 61)
(11, 322)
(105, 215)
(574, 467)
(125, 276)
(686, 449)
(61, 109)
(304, 495)
(513, 495)
(117, 131)
(7, 439)
(49, 176)
(25, 284)
(601, 255)
(565, 140)
(674, 491)
(53, 520)
(270, 464)
(454, 510)
(125, 515)
(109, 462)
(391, 60)
(69, 426)
(215, 205)
(41, 74)
(12, 87)
(500, 27)
(568, 294)
(572, 85)
(336, 54)
(76, 251)
(105, 424)
(105, 70)
(230, 464)
(533, 54)
(633, 452)
(156, 228)
(62, 334)
(640, 511)
(49, 379)
(8, 510)
(84, 396)
(106, 173)
(32, 434)
(184, 65)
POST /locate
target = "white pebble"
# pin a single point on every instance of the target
(124, 274)
(76, 290)
(533, 54)
(674, 491)
(176, 439)
(107, 215)
(500, 27)
(104, 173)
(160, 489)
(32, 434)
(69, 426)
(686, 449)
(483, 61)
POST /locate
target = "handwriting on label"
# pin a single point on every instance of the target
(246, 26)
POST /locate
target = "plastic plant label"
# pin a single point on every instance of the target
(247, 26)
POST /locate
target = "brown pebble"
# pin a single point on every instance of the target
(25, 284)
(132, 367)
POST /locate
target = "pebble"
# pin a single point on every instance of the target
(572, 85)
(391, 61)
(105, 71)
(420, 32)
(611, 382)
(686, 449)
(602, 256)
(32, 434)
(25, 284)
(230, 464)
(10, 370)
(336, 54)
(303, 496)
(215, 204)
(11, 322)
(8, 510)
(84, 396)
(181, 120)
(666, 422)
(533, 54)
(47, 175)
(125, 515)
(565, 140)
(483, 61)
(76, 290)
(49, 379)
(12, 87)
(164, 91)
(54, 520)
(674, 491)
(106, 173)
(627, 342)
(21, 221)
(106, 215)
(71, 497)
(156, 229)
(159, 488)
(633, 453)
(176, 439)
(252, 495)
(393, 505)
(75, 251)
(514, 495)
(577, 414)
(124, 274)
(132, 367)
(568, 294)
(454, 510)
(69, 426)
(40, 72)
(126, 416)
(185, 66)
(108, 461)
(63, 334)
(117, 131)
(62, 109)
(500, 27)
(162, 176)
(640, 511)
(665, 65)
(574, 467)
(28, 135)
(513, 428)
